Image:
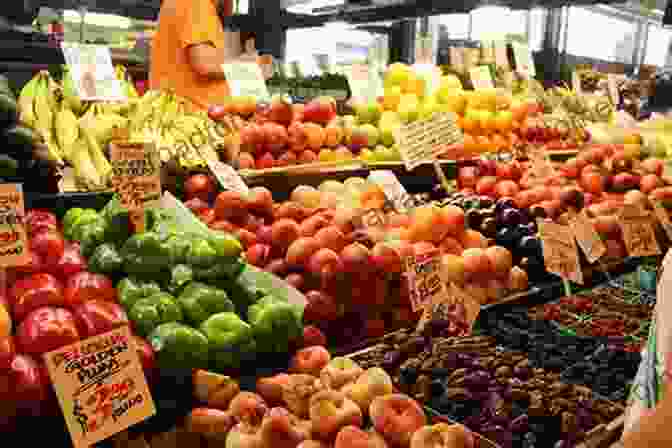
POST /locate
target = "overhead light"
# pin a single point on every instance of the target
(337, 25)
(97, 19)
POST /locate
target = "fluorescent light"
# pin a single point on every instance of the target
(97, 19)
(337, 25)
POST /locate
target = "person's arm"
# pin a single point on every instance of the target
(207, 61)
(654, 431)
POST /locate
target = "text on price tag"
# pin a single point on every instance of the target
(588, 239)
(100, 386)
(246, 79)
(560, 253)
(638, 234)
(393, 189)
(135, 173)
(14, 250)
(228, 177)
(424, 277)
(92, 72)
(426, 139)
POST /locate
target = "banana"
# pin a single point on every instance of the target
(66, 130)
(26, 101)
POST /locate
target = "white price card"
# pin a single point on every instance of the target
(246, 79)
(481, 78)
(393, 189)
(426, 139)
(524, 59)
(92, 72)
(228, 177)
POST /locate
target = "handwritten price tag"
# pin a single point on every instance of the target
(393, 189)
(100, 386)
(587, 238)
(425, 283)
(638, 234)
(372, 217)
(228, 178)
(663, 218)
(454, 306)
(135, 174)
(425, 140)
(14, 250)
(560, 253)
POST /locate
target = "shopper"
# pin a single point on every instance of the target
(189, 48)
(651, 431)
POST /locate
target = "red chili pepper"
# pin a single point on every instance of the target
(46, 329)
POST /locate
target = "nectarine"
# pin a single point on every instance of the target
(354, 437)
(396, 417)
(373, 383)
(340, 371)
(310, 360)
(330, 411)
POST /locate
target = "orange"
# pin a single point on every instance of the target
(470, 145)
(489, 125)
(499, 142)
(315, 135)
(469, 125)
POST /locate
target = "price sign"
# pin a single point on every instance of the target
(524, 59)
(502, 56)
(664, 219)
(576, 82)
(612, 87)
(638, 233)
(246, 79)
(454, 306)
(425, 283)
(393, 189)
(587, 238)
(228, 178)
(424, 140)
(14, 250)
(100, 386)
(481, 78)
(560, 253)
(92, 72)
(372, 217)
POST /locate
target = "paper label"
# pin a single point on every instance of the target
(502, 56)
(664, 219)
(524, 59)
(456, 55)
(481, 78)
(588, 239)
(228, 178)
(576, 82)
(372, 217)
(393, 189)
(14, 249)
(358, 79)
(425, 283)
(100, 386)
(424, 140)
(560, 253)
(612, 87)
(92, 72)
(136, 174)
(246, 79)
(638, 233)
(454, 306)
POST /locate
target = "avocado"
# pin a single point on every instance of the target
(8, 166)
(9, 112)
(19, 141)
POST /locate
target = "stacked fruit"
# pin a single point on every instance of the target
(322, 403)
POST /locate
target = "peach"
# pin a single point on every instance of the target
(339, 372)
(442, 435)
(297, 393)
(248, 407)
(396, 417)
(214, 389)
(333, 135)
(426, 220)
(330, 411)
(270, 388)
(374, 382)
(315, 135)
(451, 246)
(310, 360)
(211, 423)
(354, 437)
(472, 239)
(280, 429)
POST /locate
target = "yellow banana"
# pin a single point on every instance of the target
(26, 101)
(66, 129)
(103, 166)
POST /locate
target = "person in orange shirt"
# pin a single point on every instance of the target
(189, 48)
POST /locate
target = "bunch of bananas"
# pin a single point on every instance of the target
(181, 132)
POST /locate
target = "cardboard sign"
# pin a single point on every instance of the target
(246, 79)
(92, 72)
(425, 282)
(14, 249)
(393, 189)
(228, 178)
(638, 234)
(588, 239)
(663, 218)
(481, 77)
(100, 386)
(455, 306)
(372, 217)
(135, 173)
(560, 253)
(424, 140)
(523, 59)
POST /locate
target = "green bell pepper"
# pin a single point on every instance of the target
(130, 290)
(105, 260)
(221, 269)
(230, 340)
(117, 222)
(180, 275)
(145, 254)
(275, 324)
(177, 245)
(201, 253)
(178, 346)
(86, 218)
(152, 311)
(69, 219)
(200, 301)
(91, 236)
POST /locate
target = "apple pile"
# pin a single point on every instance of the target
(321, 403)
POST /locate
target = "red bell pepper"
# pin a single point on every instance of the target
(71, 262)
(24, 384)
(85, 286)
(34, 266)
(7, 352)
(40, 220)
(48, 244)
(46, 329)
(146, 355)
(99, 316)
(34, 291)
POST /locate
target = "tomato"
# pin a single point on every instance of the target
(35, 265)
(98, 316)
(34, 291)
(7, 352)
(48, 244)
(40, 220)
(200, 186)
(46, 329)
(71, 262)
(85, 286)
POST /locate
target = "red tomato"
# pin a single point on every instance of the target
(71, 262)
(40, 220)
(98, 316)
(85, 286)
(200, 186)
(25, 384)
(7, 352)
(35, 291)
(35, 265)
(48, 244)
(46, 329)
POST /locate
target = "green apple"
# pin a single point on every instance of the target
(368, 113)
(372, 134)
